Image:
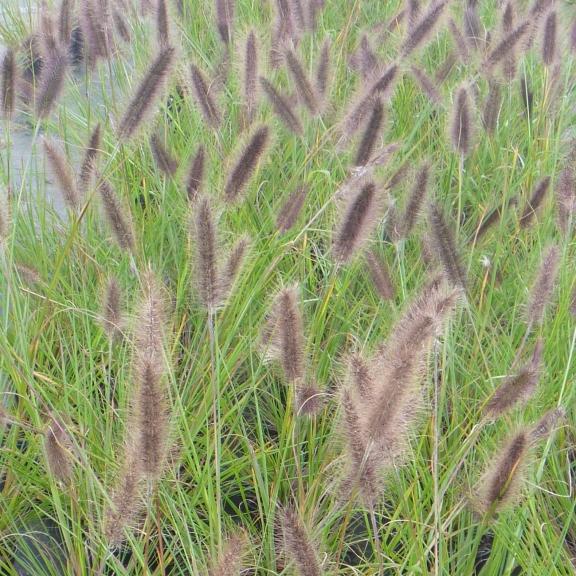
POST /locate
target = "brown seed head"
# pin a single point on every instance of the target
(246, 163)
(205, 97)
(250, 75)
(143, 102)
(461, 123)
(543, 287)
(117, 216)
(306, 91)
(224, 17)
(423, 28)
(445, 247)
(297, 543)
(112, 317)
(8, 84)
(230, 558)
(57, 445)
(88, 167)
(380, 276)
(357, 223)
(63, 174)
(371, 133)
(51, 83)
(165, 162)
(282, 107)
(516, 389)
(499, 485)
(207, 273)
(196, 174)
(288, 214)
(535, 202)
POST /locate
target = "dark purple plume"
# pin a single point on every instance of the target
(246, 163)
(142, 104)
(288, 214)
(282, 107)
(205, 97)
(8, 84)
(196, 174)
(224, 17)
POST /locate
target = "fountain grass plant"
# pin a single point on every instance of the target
(242, 461)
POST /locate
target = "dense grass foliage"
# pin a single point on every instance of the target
(307, 304)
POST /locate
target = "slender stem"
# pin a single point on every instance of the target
(435, 471)
(161, 566)
(377, 543)
(215, 418)
(111, 386)
(568, 364)
(460, 181)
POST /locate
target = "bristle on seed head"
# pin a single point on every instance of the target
(142, 103)
(357, 223)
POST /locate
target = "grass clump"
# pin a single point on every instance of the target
(378, 197)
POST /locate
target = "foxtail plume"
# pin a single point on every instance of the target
(549, 39)
(288, 336)
(506, 45)
(380, 276)
(142, 104)
(288, 214)
(518, 388)
(165, 162)
(492, 107)
(230, 559)
(357, 224)
(499, 486)
(126, 502)
(542, 289)
(323, 69)
(224, 17)
(509, 65)
(112, 317)
(149, 410)
(233, 265)
(8, 84)
(196, 172)
(162, 24)
(445, 247)
(381, 412)
(250, 75)
(57, 445)
(461, 123)
(566, 198)
(546, 425)
(88, 167)
(207, 273)
(51, 83)
(416, 199)
(305, 89)
(427, 85)
(381, 87)
(422, 29)
(536, 200)
(297, 543)
(63, 174)
(117, 216)
(371, 133)
(246, 163)
(204, 97)
(282, 107)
